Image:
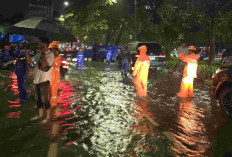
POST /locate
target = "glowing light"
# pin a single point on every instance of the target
(192, 70)
(66, 3)
(188, 80)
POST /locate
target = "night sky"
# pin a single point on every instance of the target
(10, 7)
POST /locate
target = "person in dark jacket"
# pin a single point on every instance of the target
(21, 70)
(6, 58)
(125, 58)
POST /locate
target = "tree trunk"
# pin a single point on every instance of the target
(211, 53)
(141, 32)
(120, 34)
(212, 43)
(110, 34)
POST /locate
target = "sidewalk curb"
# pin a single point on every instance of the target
(148, 118)
(167, 134)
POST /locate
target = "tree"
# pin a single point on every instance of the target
(2, 30)
(216, 11)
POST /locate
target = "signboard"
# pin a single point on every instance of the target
(40, 8)
(1, 37)
(15, 38)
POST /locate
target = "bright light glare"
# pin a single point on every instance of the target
(115, 1)
(66, 3)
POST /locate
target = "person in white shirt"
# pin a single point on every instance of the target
(42, 78)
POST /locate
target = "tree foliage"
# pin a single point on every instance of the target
(169, 22)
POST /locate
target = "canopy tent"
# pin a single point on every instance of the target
(39, 27)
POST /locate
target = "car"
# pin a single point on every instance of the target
(99, 52)
(222, 88)
(64, 64)
(227, 56)
(154, 52)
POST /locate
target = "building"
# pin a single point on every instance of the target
(39, 8)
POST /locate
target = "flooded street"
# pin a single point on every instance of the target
(100, 114)
(193, 123)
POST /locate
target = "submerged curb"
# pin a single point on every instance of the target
(167, 134)
(154, 123)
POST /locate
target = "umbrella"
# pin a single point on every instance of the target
(40, 27)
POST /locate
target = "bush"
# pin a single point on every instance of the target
(171, 63)
(204, 70)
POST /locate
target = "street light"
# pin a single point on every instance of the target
(66, 3)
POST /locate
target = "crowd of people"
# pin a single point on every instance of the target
(47, 64)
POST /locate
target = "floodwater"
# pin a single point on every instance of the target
(100, 114)
(194, 123)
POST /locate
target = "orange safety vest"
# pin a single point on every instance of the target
(190, 72)
(55, 80)
(140, 72)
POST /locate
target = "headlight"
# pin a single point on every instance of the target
(220, 70)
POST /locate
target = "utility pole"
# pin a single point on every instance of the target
(136, 25)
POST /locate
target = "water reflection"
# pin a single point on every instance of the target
(15, 115)
(65, 99)
(15, 103)
(191, 139)
(108, 118)
(14, 84)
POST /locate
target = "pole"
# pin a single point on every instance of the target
(136, 26)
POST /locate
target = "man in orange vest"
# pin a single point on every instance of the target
(55, 77)
(190, 72)
(140, 72)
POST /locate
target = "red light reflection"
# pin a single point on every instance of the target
(64, 99)
(14, 84)
(15, 115)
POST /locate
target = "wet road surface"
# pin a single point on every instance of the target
(99, 114)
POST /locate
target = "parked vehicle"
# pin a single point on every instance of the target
(64, 65)
(99, 51)
(222, 88)
(88, 54)
(154, 51)
(227, 56)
